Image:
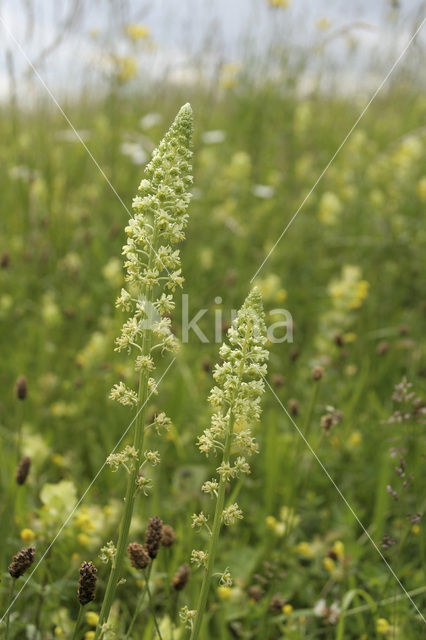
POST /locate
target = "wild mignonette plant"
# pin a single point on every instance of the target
(235, 400)
(153, 273)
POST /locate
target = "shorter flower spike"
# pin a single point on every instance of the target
(181, 577)
(169, 537)
(23, 470)
(139, 558)
(87, 583)
(154, 534)
(21, 562)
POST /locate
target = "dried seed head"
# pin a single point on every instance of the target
(382, 348)
(293, 405)
(4, 260)
(139, 558)
(154, 532)
(277, 380)
(276, 603)
(255, 592)
(21, 562)
(317, 373)
(168, 537)
(294, 354)
(21, 388)
(23, 470)
(87, 583)
(181, 577)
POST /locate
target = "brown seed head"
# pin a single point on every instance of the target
(255, 592)
(293, 405)
(317, 373)
(23, 470)
(21, 562)
(168, 537)
(154, 532)
(382, 348)
(294, 354)
(277, 380)
(139, 558)
(4, 260)
(87, 583)
(181, 577)
(276, 603)
(21, 388)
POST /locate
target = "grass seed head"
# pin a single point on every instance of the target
(23, 470)
(87, 583)
(154, 532)
(21, 562)
(139, 558)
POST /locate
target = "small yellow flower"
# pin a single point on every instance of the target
(271, 522)
(108, 511)
(354, 439)
(58, 632)
(58, 460)
(281, 295)
(137, 31)
(323, 24)
(349, 337)
(328, 564)
(83, 539)
(421, 189)
(92, 618)
(224, 592)
(339, 549)
(382, 626)
(75, 557)
(89, 635)
(281, 4)
(287, 609)
(415, 529)
(304, 549)
(27, 535)
(126, 68)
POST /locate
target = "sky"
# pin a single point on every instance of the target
(360, 35)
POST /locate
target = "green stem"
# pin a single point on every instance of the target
(137, 608)
(217, 522)
(151, 606)
(78, 623)
(138, 442)
(9, 607)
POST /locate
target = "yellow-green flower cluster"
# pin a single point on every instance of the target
(152, 262)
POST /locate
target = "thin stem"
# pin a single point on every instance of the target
(217, 522)
(137, 608)
(78, 623)
(151, 606)
(138, 442)
(11, 593)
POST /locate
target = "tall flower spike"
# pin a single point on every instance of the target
(235, 400)
(153, 272)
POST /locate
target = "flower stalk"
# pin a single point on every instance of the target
(236, 403)
(153, 274)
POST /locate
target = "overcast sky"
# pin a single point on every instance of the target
(223, 30)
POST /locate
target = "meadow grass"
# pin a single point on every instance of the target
(351, 272)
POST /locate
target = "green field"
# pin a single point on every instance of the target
(332, 542)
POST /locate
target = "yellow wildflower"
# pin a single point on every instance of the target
(271, 522)
(304, 549)
(224, 592)
(339, 549)
(328, 564)
(83, 539)
(281, 295)
(92, 618)
(27, 535)
(354, 439)
(137, 31)
(287, 609)
(58, 460)
(382, 626)
(421, 188)
(58, 632)
(89, 635)
(126, 68)
(323, 24)
(415, 529)
(281, 4)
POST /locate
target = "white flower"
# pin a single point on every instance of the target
(263, 191)
(213, 137)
